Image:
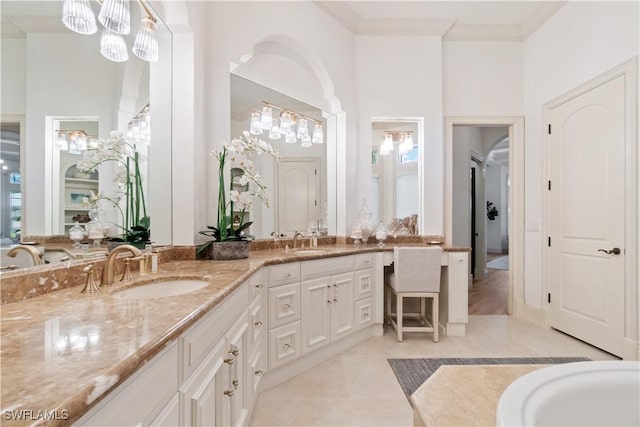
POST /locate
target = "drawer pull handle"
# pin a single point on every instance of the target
(335, 300)
(365, 315)
(258, 323)
(366, 261)
(287, 275)
(260, 286)
(228, 361)
(288, 345)
(258, 373)
(287, 305)
(228, 393)
(235, 383)
(329, 302)
(234, 352)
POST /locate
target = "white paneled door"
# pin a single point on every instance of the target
(298, 191)
(587, 216)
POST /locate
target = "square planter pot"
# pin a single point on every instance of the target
(229, 250)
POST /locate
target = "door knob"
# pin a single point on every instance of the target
(615, 251)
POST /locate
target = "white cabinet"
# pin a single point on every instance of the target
(363, 283)
(284, 344)
(284, 304)
(342, 306)
(364, 313)
(170, 415)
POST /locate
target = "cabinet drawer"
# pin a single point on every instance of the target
(326, 266)
(364, 313)
(257, 324)
(364, 283)
(256, 284)
(284, 304)
(205, 334)
(284, 273)
(284, 344)
(364, 261)
(142, 397)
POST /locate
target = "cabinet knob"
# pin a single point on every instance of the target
(287, 345)
(366, 261)
(258, 323)
(258, 373)
(228, 393)
(228, 361)
(287, 305)
(287, 275)
(235, 383)
(328, 301)
(234, 352)
(260, 286)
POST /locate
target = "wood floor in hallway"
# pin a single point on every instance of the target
(489, 295)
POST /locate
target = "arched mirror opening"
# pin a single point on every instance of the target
(297, 184)
(73, 99)
(395, 176)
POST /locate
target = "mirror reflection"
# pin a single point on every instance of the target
(395, 185)
(297, 183)
(60, 84)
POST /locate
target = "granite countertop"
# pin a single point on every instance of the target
(65, 350)
(464, 395)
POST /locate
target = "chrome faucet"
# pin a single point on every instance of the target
(295, 238)
(35, 254)
(107, 272)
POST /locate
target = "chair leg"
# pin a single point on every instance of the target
(435, 320)
(423, 311)
(387, 317)
(399, 315)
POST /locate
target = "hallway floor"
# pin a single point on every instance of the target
(358, 387)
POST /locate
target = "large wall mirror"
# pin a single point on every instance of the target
(396, 190)
(56, 82)
(298, 183)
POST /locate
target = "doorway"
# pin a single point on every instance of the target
(513, 208)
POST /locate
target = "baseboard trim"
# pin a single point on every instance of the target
(631, 349)
(309, 360)
(534, 315)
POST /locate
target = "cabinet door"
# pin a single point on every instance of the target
(237, 344)
(363, 283)
(284, 304)
(284, 344)
(203, 396)
(316, 306)
(342, 307)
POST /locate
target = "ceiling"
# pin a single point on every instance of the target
(453, 20)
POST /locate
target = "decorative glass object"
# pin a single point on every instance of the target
(364, 219)
(76, 233)
(381, 234)
(145, 45)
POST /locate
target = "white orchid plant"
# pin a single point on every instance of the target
(128, 179)
(245, 184)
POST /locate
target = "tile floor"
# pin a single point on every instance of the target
(358, 387)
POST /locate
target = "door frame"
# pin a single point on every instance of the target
(628, 69)
(516, 195)
(319, 188)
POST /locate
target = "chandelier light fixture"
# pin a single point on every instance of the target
(290, 124)
(139, 127)
(404, 139)
(75, 141)
(115, 18)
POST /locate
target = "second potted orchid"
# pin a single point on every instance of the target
(235, 196)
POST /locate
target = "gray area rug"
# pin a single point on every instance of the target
(411, 373)
(501, 263)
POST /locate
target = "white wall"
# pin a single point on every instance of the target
(221, 41)
(581, 41)
(13, 55)
(494, 194)
(401, 76)
(482, 78)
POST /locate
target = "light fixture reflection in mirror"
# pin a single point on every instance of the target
(297, 184)
(395, 171)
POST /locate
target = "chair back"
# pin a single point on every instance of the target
(417, 269)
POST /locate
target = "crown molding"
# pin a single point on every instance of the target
(544, 12)
(405, 26)
(510, 33)
(342, 13)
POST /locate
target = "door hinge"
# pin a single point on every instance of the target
(549, 297)
(315, 171)
(549, 130)
(549, 241)
(315, 203)
(549, 185)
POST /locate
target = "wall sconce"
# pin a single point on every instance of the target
(286, 125)
(115, 17)
(405, 140)
(139, 127)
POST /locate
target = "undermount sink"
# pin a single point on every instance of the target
(167, 288)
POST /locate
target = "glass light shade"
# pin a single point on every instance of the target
(274, 132)
(383, 150)
(290, 138)
(115, 16)
(306, 142)
(61, 142)
(266, 120)
(145, 46)
(113, 47)
(388, 142)
(285, 122)
(318, 135)
(81, 142)
(93, 143)
(255, 128)
(78, 16)
(302, 128)
(406, 145)
(73, 147)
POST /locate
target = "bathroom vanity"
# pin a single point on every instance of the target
(200, 357)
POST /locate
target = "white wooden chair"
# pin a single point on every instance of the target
(416, 274)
